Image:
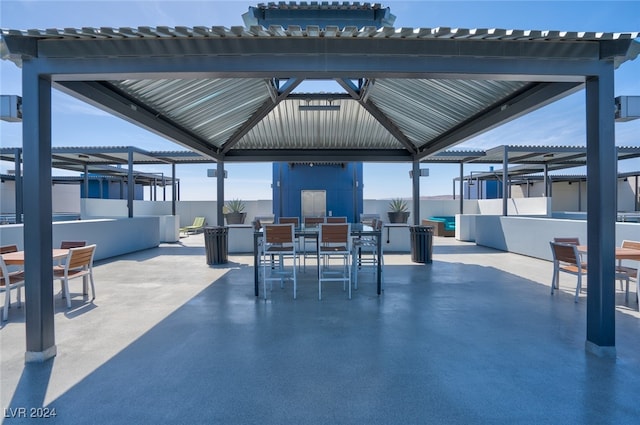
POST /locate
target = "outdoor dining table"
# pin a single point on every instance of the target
(357, 230)
(621, 253)
(17, 258)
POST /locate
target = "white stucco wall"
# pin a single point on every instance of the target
(531, 236)
(112, 236)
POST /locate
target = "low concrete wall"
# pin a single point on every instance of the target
(396, 238)
(530, 236)
(240, 238)
(516, 206)
(466, 227)
(112, 236)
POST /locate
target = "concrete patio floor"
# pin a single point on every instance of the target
(474, 338)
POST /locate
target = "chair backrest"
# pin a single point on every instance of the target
(279, 234)
(290, 220)
(5, 249)
(569, 240)
(336, 219)
(198, 222)
(313, 221)
(80, 257)
(631, 244)
(334, 234)
(565, 253)
(72, 244)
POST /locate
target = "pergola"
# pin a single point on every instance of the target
(519, 160)
(229, 94)
(109, 161)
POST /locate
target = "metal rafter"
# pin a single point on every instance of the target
(380, 116)
(264, 110)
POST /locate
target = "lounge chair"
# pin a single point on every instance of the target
(198, 225)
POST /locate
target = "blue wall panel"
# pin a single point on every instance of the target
(110, 190)
(342, 183)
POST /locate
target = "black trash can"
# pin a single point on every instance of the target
(421, 243)
(216, 243)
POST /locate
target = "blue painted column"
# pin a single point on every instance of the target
(601, 212)
(36, 142)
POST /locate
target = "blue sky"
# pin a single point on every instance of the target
(561, 123)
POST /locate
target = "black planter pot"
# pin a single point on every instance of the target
(235, 217)
(398, 216)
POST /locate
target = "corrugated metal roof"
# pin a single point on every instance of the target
(315, 31)
(287, 127)
(232, 117)
(211, 108)
(424, 109)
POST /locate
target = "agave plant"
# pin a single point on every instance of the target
(234, 206)
(398, 205)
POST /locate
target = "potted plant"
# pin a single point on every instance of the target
(234, 212)
(399, 211)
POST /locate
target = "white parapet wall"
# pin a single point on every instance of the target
(114, 236)
(539, 206)
(531, 235)
(240, 238)
(396, 238)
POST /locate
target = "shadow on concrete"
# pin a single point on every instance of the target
(445, 343)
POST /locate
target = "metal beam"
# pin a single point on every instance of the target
(505, 181)
(131, 184)
(325, 59)
(318, 155)
(264, 110)
(380, 116)
(17, 164)
(415, 180)
(461, 188)
(173, 189)
(36, 142)
(220, 193)
(306, 48)
(601, 213)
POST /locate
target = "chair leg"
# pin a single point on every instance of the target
(578, 286)
(295, 278)
(5, 310)
(66, 292)
(93, 288)
(626, 294)
(553, 279)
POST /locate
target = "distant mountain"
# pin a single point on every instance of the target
(436, 197)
